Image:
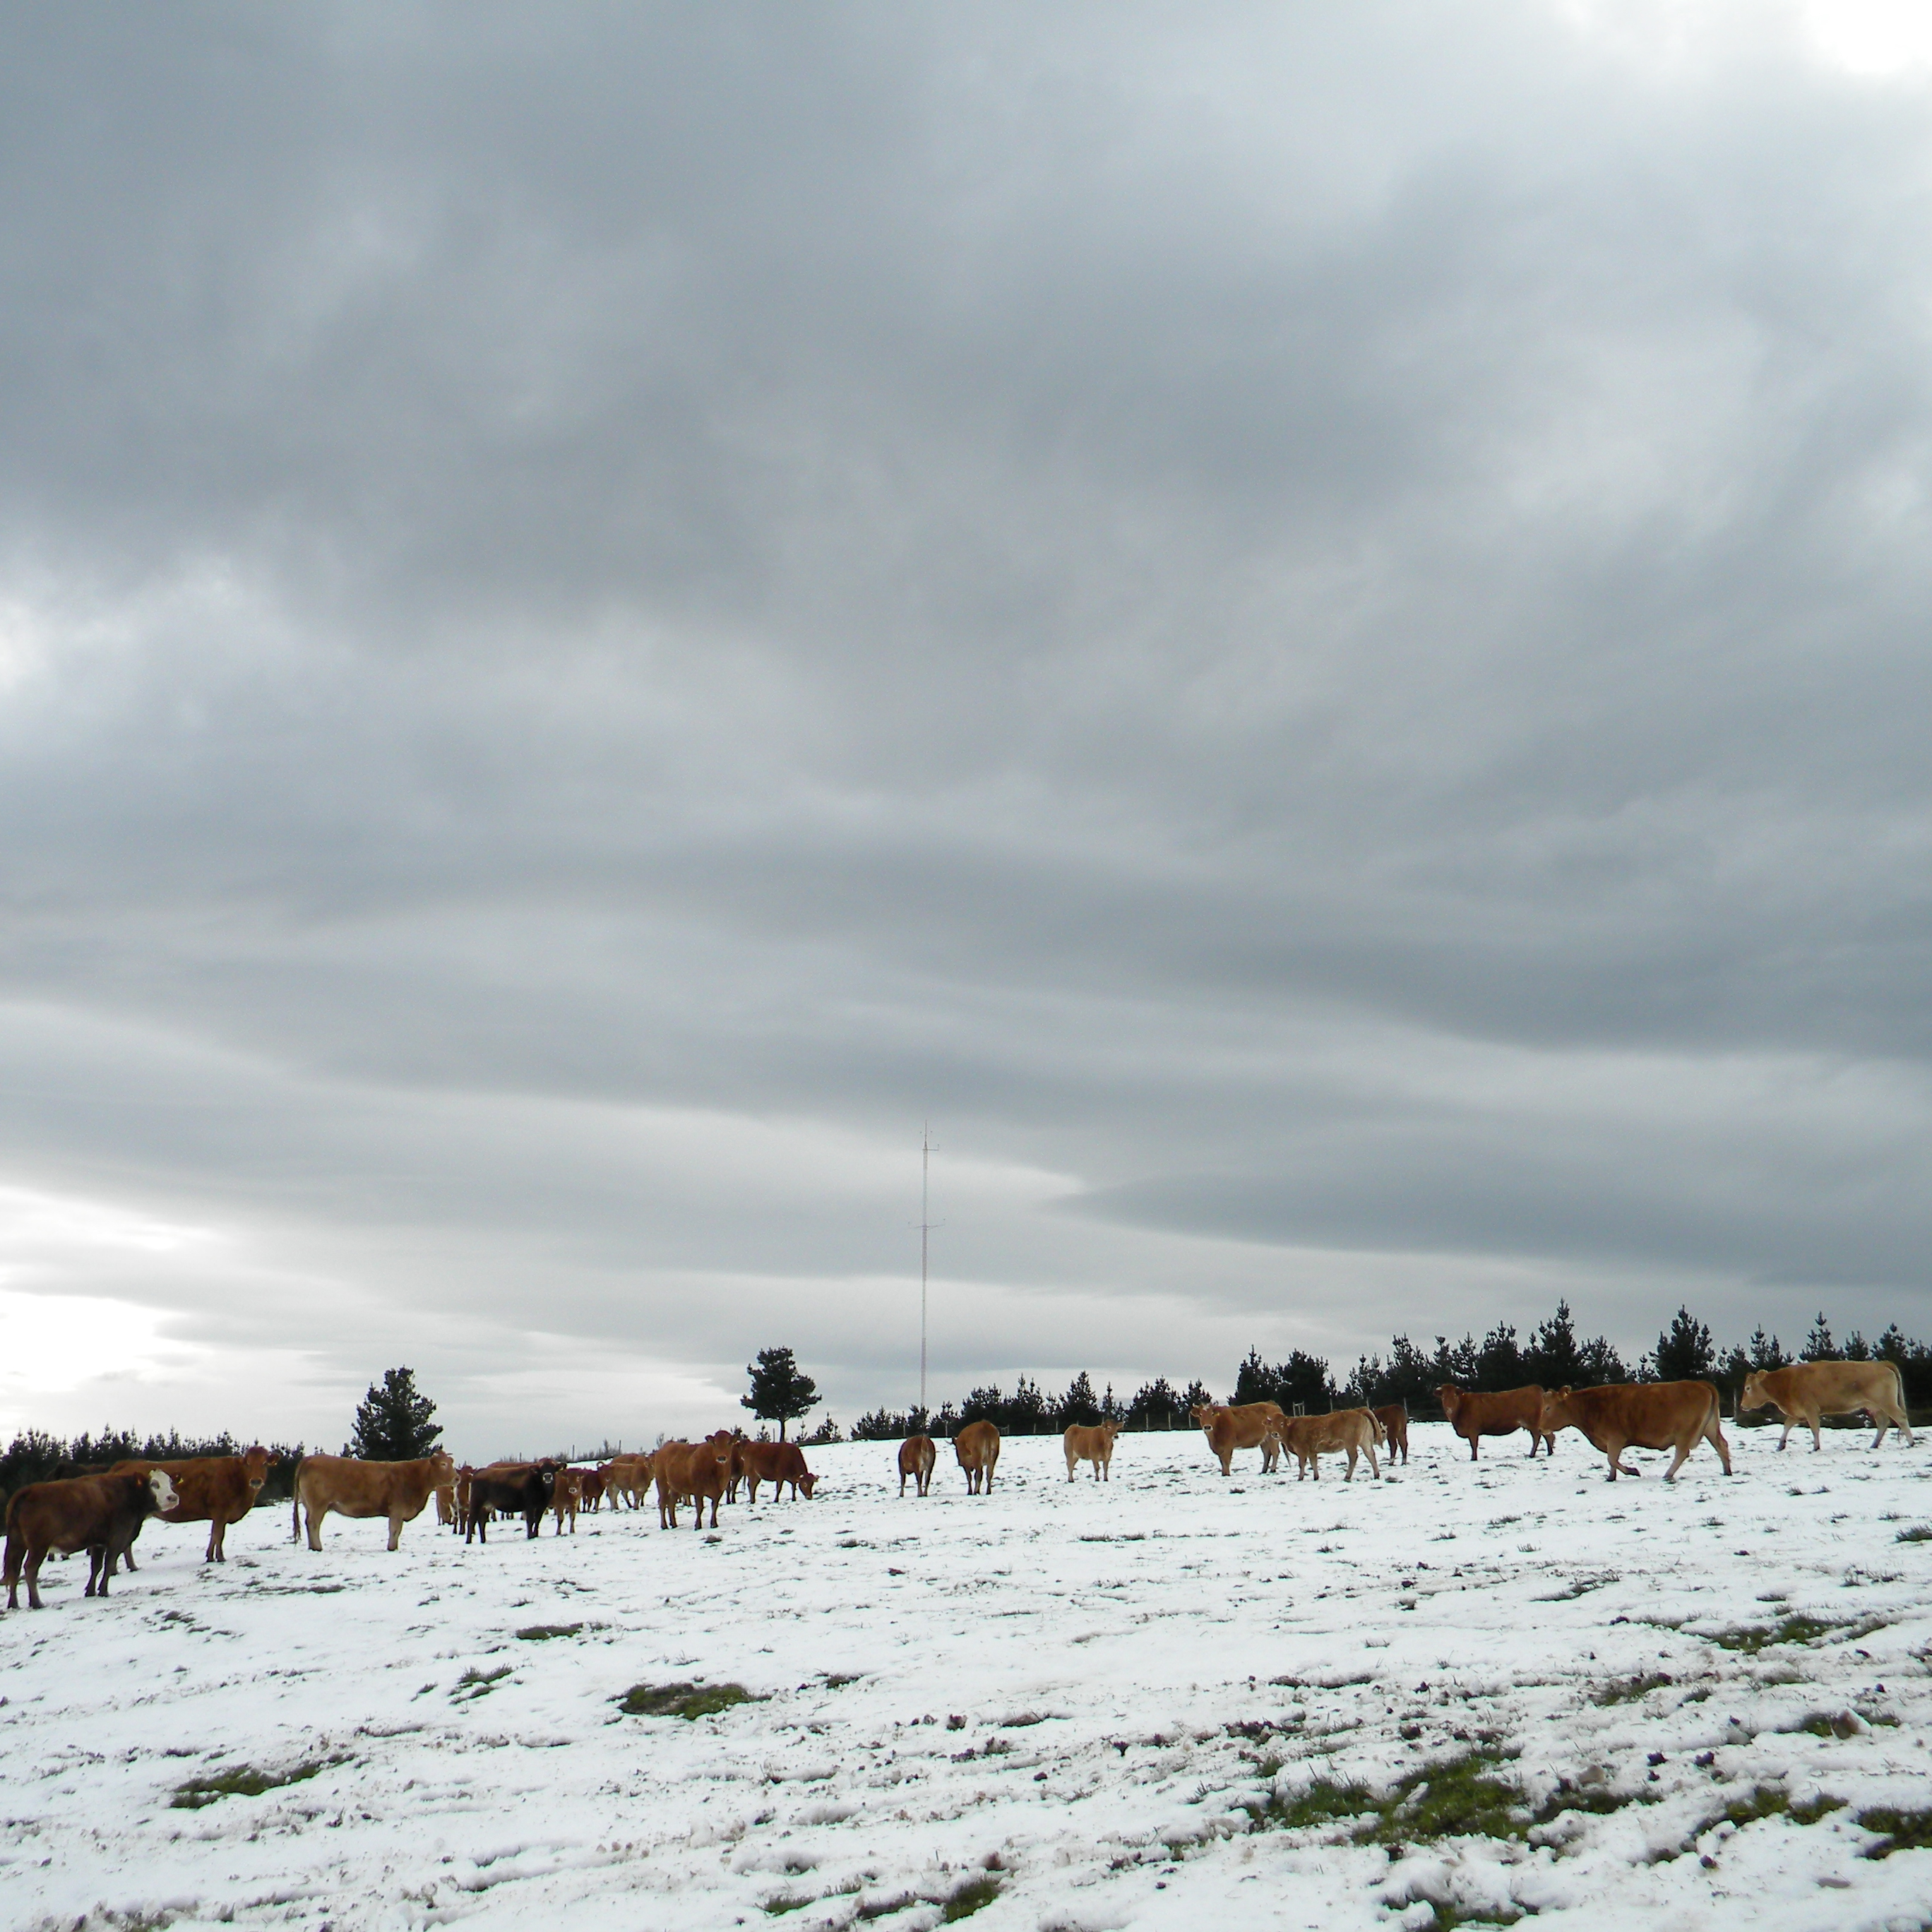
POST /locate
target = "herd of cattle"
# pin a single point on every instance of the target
(102, 1513)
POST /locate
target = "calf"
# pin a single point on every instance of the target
(977, 1446)
(97, 1513)
(1474, 1413)
(1641, 1415)
(352, 1487)
(1394, 1420)
(523, 1490)
(1806, 1392)
(217, 1490)
(1094, 1445)
(566, 1496)
(590, 1486)
(916, 1457)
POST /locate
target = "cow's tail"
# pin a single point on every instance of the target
(1898, 1385)
(10, 1566)
(294, 1503)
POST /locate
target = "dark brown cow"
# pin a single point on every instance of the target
(1474, 1413)
(99, 1514)
(1641, 1415)
(777, 1463)
(977, 1446)
(1806, 1392)
(1394, 1420)
(217, 1490)
(698, 1470)
(916, 1457)
(590, 1484)
(353, 1488)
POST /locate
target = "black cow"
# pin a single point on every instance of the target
(524, 1492)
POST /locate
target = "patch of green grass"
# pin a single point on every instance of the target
(1830, 1724)
(1632, 1689)
(543, 1633)
(1751, 1639)
(1772, 1801)
(835, 1680)
(474, 1683)
(965, 1900)
(1898, 1831)
(1454, 1798)
(244, 1780)
(688, 1701)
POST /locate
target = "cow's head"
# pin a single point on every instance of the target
(1557, 1412)
(1450, 1397)
(1756, 1395)
(442, 1468)
(1203, 1413)
(162, 1490)
(807, 1483)
(255, 1466)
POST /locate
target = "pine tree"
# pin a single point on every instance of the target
(1767, 1354)
(1552, 1357)
(393, 1424)
(1684, 1351)
(1819, 1346)
(1499, 1361)
(780, 1392)
(1077, 1404)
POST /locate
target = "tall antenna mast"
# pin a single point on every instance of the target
(925, 1229)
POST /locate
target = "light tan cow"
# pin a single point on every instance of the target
(977, 1446)
(698, 1471)
(629, 1476)
(566, 1496)
(1349, 1431)
(1640, 1415)
(1806, 1392)
(1251, 1425)
(353, 1488)
(217, 1490)
(916, 1457)
(1094, 1445)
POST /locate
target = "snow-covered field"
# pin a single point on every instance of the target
(1140, 1704)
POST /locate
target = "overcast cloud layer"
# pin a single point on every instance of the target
(1307, 626)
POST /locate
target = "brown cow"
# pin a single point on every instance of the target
(977, 1446)
(217, 1490)
(698, 1470)
(1251, 1425)
(1094, 1445)
(1394, 1420)
(631, 1477)
(1641, 1415)
(916, 1457)
(777, 1463)
(1349, 1431)
(97, 1513)
(590, 1489)
(1806, 1392)
(1473, 1414)
(566, 1496)
(353, 1488)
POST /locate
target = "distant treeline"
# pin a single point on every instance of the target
(1552, 1355)
(35, 1456)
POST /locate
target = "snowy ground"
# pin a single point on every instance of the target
(1137, 1705)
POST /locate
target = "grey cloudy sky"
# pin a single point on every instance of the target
(1306, 625)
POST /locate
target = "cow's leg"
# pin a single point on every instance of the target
(1714, 1436)
(1375, 1468)
(35, 1557)
(315, 1521)
(1786, 1436)
(1683, 1456)
(396, 1532)
(1473, 1441)
(1817, 1435)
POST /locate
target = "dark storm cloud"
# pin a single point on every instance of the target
(1307, 625)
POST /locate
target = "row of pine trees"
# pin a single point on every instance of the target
(1553, 1354)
